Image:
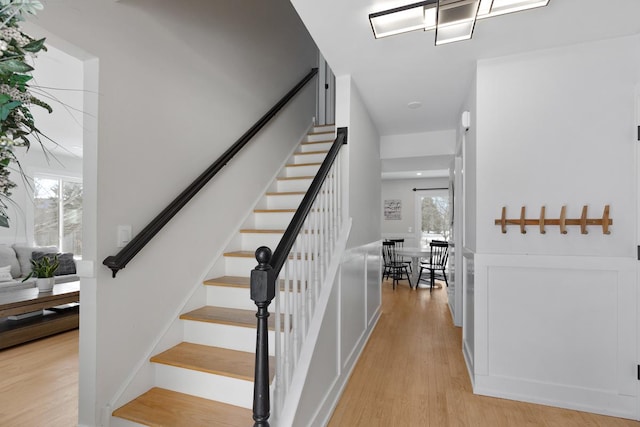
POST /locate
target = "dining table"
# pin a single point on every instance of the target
(416, 253)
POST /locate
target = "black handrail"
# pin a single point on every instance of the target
(263, 282)
(122, 258)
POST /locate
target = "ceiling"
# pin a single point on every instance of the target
(394, 71)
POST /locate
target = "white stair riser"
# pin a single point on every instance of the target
(310, 170)
(225, 336)
(324, 128)
(209, 386)
(309, 158)
(121, 422)
(278, 220)
(325, 146)
(288, 201)
(252, 241)
(239, 266)
(230, 297)
(320, 137)
(294, 184)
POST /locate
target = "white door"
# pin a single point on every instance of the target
(325, 108)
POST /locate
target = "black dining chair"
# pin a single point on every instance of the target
(437, 263)
(399, 245)
(393, 268)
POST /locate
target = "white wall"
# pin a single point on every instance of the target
(179, 82)
(402, 189)
(555, 315)
(435, 143)
(468, 151)
(363, 148)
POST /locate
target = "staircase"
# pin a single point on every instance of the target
(208, 378)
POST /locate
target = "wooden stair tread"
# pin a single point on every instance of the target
(212, 360)
(273, 210)
(322, 133)
(229, 316)
(235, 282)
(308, 153)
(240, 254)
(261, 231)
(162, 407)
(317, 142)
(295, 165)
(229, 281)
(290, 178)
(250, 254)
(286, 193)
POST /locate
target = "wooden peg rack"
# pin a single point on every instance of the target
(563, 221)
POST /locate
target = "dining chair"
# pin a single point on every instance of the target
(393, 268)
(399, 243)
(437, 262)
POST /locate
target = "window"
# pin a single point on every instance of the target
(58, 213)
(433, 220)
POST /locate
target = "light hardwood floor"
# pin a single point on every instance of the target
(39, 383)
(412, 373)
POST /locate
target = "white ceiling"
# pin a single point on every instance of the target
(396, 70)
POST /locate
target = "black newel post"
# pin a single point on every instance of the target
(262, 292)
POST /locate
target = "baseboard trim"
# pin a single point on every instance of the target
(579, 399)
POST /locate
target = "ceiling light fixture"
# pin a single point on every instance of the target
(453, 20)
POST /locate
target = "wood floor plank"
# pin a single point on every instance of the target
(159, 407)
(412, 373)
(39, 382)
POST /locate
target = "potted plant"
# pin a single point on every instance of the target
(44, 269)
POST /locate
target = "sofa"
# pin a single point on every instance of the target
(18, 258)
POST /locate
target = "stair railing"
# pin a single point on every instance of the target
(126, 254)
(298, 265)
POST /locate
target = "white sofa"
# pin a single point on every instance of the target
(18, 256)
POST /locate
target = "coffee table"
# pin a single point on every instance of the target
(54, 318)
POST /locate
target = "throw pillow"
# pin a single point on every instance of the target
(5, 274)
(8, 257)
(24, 255)
(67, 264)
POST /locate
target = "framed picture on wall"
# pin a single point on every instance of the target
(393, 209)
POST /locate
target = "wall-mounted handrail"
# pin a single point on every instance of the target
(122, 258)
(265, 275)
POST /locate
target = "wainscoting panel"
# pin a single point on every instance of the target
(352, 312)
(468, 306)
(557, 330)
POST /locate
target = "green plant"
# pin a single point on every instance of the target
(17, 96)
(43, 267)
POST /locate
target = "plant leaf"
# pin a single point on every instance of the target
(5, 109)
(4, 221)
(14, 66)
(34, 46)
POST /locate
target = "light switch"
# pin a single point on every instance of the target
(124, 235)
